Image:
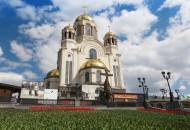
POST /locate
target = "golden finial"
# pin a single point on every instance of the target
(109, 28)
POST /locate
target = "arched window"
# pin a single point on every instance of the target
(113, 41)
(69, 35)
(48, 85)
(65, 36)
(93, 54)
(79, 30)
(109, 41)
(88, 30)
(69, 69)
(87, 77)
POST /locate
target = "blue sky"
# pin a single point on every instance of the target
(153, 36)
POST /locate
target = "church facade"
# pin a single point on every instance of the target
(82, 60)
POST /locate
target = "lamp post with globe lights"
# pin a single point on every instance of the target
(167, 76)
(164, 91)
(142, 84)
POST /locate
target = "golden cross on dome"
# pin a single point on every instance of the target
(109, 28)
(85, 8)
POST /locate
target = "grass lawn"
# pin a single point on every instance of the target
(11, 119)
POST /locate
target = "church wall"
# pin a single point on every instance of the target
(93, 76)
(75, 65)
(85, 48)
(81, 55)
(108, 60)
(54, 83)
(114, 60)
(69, 53)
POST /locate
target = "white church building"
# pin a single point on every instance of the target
(82, 59)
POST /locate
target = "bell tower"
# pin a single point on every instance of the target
(110, 42)
(68, 33)
(110, 38)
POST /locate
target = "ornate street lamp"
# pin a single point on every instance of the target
(142, 82)
(167, 77)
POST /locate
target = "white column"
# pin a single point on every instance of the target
(121, 72)
(110, 60)
(62, 67)
(75, 63)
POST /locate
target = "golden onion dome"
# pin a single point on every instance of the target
(53, 74)
(110, 34)
(84, 17)
(93, 63)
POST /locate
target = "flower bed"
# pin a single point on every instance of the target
(61, 108)
(174, 111)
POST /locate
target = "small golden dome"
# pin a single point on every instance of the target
(110, 34)
(53, 74)
(93, 63)
(69, 28)
(84, 17)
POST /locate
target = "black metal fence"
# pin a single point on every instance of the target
(64, 102)
(125, 104)
(167, 105)
(83, 103)
(8, 100)
(185, 104)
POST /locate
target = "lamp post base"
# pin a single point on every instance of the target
(171, 97)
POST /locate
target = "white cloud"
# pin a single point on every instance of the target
(11, 78)
(15, 3)
(20, 51)
(23, 10)
(9, 65)
(47, 56)
(68, 9)
(125, 23)
(133, 24)
(102, 23)
(29, 74)
(1, 51)
(71, 9)
(153, 56)
(27, 12)
(47, 38)
(183, 13)
(37, 32)
(182, 88)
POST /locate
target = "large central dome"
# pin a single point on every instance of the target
(93, 63)
(85, 28)
(84, 17)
